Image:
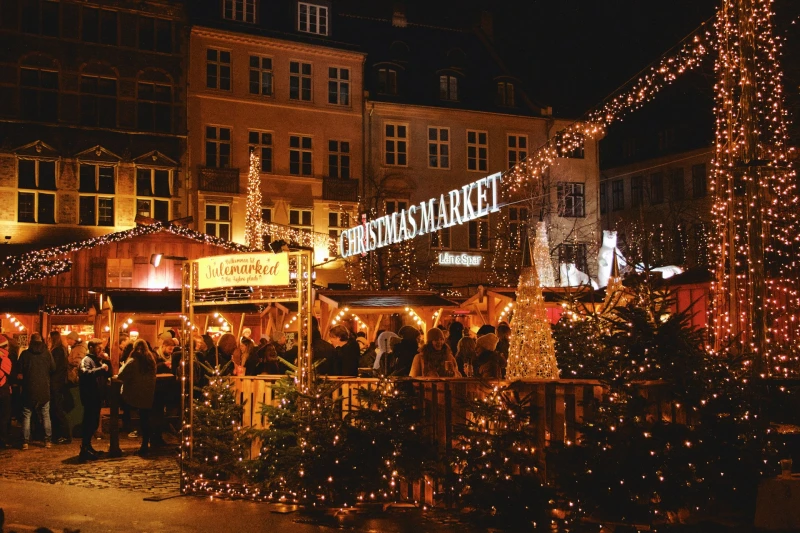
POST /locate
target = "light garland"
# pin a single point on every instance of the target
(253, 234)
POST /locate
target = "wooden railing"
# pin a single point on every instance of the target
(225, 180)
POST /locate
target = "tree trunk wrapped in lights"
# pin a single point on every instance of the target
(531, 352)
(541, 256)
(253, 222)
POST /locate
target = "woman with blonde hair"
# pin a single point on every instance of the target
(467, 352)
(435, 359)
(138, 377)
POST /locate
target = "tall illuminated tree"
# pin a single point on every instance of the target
(756, 241)
(253, 223)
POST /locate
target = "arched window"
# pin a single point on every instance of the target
(98, 96)
(448, 87)
(154, 102)
(38, 88)
(387, 76)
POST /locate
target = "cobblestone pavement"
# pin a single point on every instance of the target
(157, 474)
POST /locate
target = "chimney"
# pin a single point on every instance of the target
(399, 15)
(487, 25)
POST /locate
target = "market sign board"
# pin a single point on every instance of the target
(260, 269)
(458, 206)
(460, 259)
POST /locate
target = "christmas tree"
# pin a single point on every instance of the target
(220, 443)
(253, 221)
(495, 462)
(531, 352)
(541, 256)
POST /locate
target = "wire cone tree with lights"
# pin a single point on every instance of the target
(253, 220)
(531, 351)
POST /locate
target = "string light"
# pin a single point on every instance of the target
(253, 232)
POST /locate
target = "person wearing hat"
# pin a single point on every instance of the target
(77, 351)
(36, 365)
(435, 358)
(489, 364)
(5, 393)
(382, 351)
(93, 374)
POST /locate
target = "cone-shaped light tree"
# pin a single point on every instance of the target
(253, 216)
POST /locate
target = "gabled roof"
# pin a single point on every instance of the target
(36, 149)
(99, 154)
(155, 159)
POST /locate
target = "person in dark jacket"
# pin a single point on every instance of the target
(488, 364)
(36, 366)
(347, 351)
(266, 362)
(58, 389)
(404, 353)
(456, 332)
(138, 377)
(5, 393)
(503, 339)
(93, 372)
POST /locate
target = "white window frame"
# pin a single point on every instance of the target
(261, 71)
(339, 86)
(301, 76)
(217, 222)
(342, 222)
(340, 156)
(397, 205)
(96, 195)
(301, 150)
(153, 199)
(218, 142)
(219, 65)
(480, 164)
(567, 192)
(438, 149)
(305, 12)
(300, 211)
(520, 154)
(119, 272)
(36, 192)
(246, 11)
(396, 139)
(260, 146)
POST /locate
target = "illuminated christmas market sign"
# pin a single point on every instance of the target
(459, 206)
(242, 270)
(460, 259)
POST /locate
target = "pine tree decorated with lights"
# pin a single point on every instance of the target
(531, 352)
(220, 444)
(253, 220)
(495, 462)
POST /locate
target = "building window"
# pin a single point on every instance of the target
(657, 188)
(38, 94)
(35, 176)
(218, 220)
(479, 234)
(155, 34)
(119, 273)
(699, 186)
(99, 26)
(300, 155)
(261, 75)
(387, 81)
(477, 150)
(396, 145)
(439, 148)
(677, 186)
(338, 86)
(240, 10)
(339, 159)
(505, 94)
(218, 69)
(570, 145)
(98, 101)
(312, 18)
(153, 190)
(96, 209)
(218, 147)
(37, 17)
(517, 227)
(571, 200)
(154, 107)
(301, 219)
(573, 253)
(394, 206)
(637, 191)
(517, 149)
(603, 198)
(336, 222)
(261, 143)
(617, 195)
(300, 81)
(448, 88)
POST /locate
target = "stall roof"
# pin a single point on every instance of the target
(384, 301)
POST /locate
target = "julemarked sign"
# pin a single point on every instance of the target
(256, 269)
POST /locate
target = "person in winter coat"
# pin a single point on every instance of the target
(404, 353)
(382, 351)
(347, 351)
(77, 351)
(435, 359)
(138, 377)
(456, 332)
(503, 339)
(58, 389)
(5, 393)
(92, 373)
(465, 356)
(489, 364)
(36, 365)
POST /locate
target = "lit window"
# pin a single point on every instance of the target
(477, 150)
(517, 149)
(218, 220)
(218, 69)
(571, 200)
(261, 75)
(300, 155)
(312, 18)
(439, 148)
(396, 144)
(338, 86)
(240, 10)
